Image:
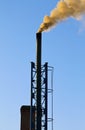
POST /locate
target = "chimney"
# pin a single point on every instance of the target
(38, 79)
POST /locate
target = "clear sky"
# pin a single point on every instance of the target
(63, 48)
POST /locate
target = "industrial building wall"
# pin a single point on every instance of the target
(25, 118)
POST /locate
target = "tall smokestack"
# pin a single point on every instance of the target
(38, 79)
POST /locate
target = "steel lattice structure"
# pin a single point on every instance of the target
(39, 92)
(44, 78)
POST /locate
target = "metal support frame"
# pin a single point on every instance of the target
(44, 84)
(44, 95)
(33, 96)
(45, 119)
(50, 95)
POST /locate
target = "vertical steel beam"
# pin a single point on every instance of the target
(32, 108)
(46, 94)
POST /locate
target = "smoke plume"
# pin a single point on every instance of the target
(63, 10)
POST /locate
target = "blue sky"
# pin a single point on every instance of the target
(63, 48)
